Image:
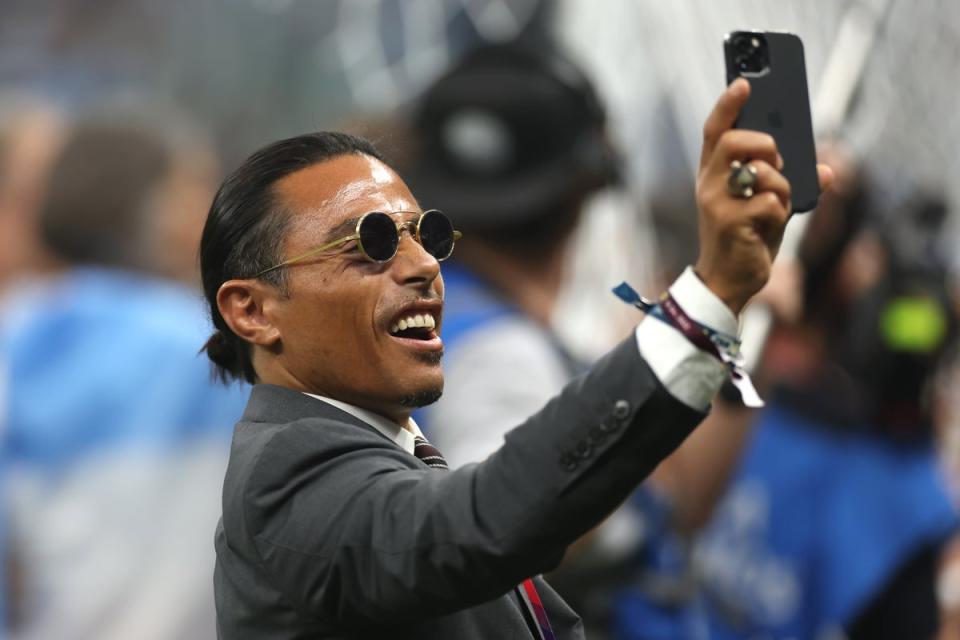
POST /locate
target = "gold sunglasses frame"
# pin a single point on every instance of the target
(356, 236)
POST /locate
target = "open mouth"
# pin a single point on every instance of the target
(415, 326)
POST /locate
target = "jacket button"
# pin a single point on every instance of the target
(621, 409)
(569, 462)
(584, 450)
(609, 426)
(596, 435)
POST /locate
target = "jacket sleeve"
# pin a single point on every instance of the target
(353, 529)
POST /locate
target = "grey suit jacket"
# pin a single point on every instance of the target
(331, 530)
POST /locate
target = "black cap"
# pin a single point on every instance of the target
(509, 132)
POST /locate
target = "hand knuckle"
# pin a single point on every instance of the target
(726, 141)
(770, 201)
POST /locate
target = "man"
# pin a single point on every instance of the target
(333, 525)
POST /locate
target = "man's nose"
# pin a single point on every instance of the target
(412, 264)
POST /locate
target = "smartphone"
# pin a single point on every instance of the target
(779, 103)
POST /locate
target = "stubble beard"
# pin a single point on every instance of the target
(428, 395)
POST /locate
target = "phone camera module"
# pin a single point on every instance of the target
(751, 55)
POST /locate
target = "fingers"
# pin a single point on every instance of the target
(768, 206)
(767, 210)
(769, 179)
(745, 145)
(768, 214)
(825, 175)
(724, 114)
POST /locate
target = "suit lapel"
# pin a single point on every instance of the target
(272, 404)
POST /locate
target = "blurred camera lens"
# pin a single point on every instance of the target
(750, 53)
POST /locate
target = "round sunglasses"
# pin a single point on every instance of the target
(378, 237)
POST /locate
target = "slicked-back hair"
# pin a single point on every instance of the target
(246, 227)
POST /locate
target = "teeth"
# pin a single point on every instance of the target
(424, 320)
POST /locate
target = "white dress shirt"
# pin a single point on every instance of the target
(404, 436)
(689, 374)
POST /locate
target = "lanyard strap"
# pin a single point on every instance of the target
(528, 593)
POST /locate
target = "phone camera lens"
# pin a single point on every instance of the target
(744, 45)
(750, 53)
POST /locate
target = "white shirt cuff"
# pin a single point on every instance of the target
(690, 375)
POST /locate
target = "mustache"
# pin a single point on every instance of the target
(428, 297)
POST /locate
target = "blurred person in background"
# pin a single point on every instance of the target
(114, 436)
(836, 521)
(512, 141)
(30, 134)
(31, 131)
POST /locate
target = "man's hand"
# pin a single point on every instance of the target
(739, 237)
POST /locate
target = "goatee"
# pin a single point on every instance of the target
(421, 398)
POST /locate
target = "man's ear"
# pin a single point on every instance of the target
(245, 306)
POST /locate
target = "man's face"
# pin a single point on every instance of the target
(335, 323)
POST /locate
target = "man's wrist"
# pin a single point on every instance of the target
(703, 304)
(689, 373)
(691, 351)
(733, 300)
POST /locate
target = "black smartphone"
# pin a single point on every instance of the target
(779, 103)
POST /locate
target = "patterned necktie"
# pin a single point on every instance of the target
(527, 592)
(428, 453)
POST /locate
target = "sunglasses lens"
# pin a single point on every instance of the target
(378, 236)
(436, 234)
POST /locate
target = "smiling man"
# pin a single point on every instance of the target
(323, 277)
(335, 328)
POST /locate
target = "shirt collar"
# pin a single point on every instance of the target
(404, 438)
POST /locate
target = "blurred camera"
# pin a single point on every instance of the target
(751, 54)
